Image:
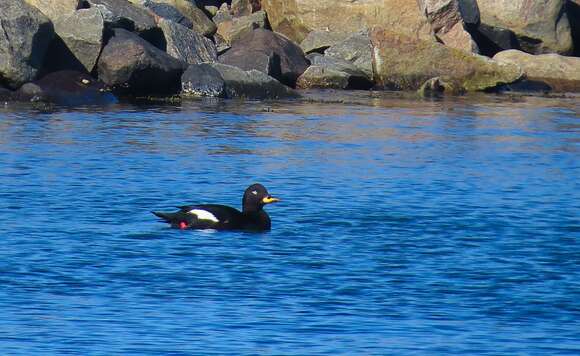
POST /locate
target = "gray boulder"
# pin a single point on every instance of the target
(133, 66)
(26, 35)
(197, 19)
(333, 73)
(356, 49)
(287, 53)
(203, 80)
(123, 14)
(82, 34)
(66, 88)
(55, 8)
(320, 40)
(168, 12)
(187, 45)
(268, 63)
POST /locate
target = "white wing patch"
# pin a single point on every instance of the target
(204, 215)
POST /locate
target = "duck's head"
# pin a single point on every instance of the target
(255, 197)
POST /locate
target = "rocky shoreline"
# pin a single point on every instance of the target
(78, 52)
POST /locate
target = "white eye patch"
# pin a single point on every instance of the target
(255, 192)
(204, 215)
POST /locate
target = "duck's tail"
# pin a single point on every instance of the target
(167, 217)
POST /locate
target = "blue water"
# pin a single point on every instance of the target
(406, 227)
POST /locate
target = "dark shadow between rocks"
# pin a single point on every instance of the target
(573, 10)
(59, 57)
(523, 86)
(492, 40)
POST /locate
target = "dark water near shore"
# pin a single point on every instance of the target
(407, 227)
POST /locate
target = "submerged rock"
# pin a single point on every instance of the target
(66, 88)
(216, 79)
(561, 73)
(405, 63)
(133, 66)
(187, 45)
(26, 35)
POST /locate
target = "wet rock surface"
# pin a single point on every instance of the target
(66, 88)
(203, 80)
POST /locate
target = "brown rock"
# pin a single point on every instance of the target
(447, 23)
(561, 73)
(296, 18)
(457, 37)
(402, 62)
(541, 26)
